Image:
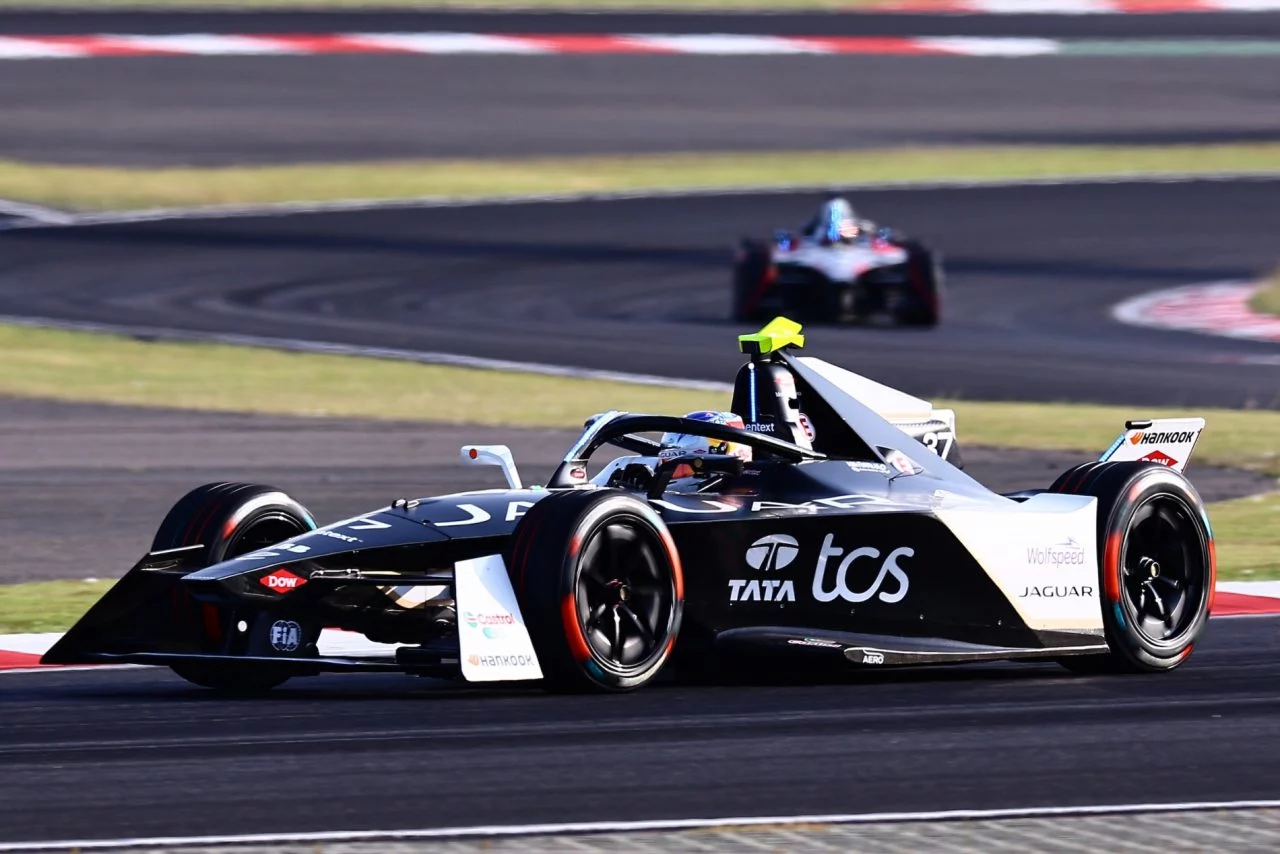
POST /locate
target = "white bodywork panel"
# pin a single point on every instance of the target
(493, 643)
(1168, 441)
(841, 262)
(493, 455)
(887, 402)
(896, 407)
(1042, 553)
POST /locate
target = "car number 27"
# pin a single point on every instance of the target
(939, 442)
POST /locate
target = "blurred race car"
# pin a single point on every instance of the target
(838, 268)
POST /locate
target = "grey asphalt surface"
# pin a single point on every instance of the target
(216, 111)
(219, 111)
(643, 285)
(136, 753)
(116, 471)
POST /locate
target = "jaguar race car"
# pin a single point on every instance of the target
(837, 268)
(802, 529)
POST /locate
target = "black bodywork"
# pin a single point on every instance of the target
(831, 550)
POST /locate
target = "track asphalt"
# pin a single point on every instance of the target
(136, 753)
(149, 111)
(643, 285)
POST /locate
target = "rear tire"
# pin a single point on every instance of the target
(923, 307)
(600, 587)
(228, 519)
(748, 281)
(1157, 564)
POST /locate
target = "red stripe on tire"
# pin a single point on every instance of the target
(573, 629)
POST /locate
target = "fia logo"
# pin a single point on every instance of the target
(286, 636)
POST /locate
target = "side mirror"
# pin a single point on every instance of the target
(493, 455)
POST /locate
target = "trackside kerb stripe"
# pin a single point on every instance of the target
(49, 47)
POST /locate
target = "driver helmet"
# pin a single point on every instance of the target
(680, 444)
(837, 222)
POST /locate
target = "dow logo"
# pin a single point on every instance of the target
(775, 551)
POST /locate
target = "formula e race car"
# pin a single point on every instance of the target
(838, 268)
(802, 530)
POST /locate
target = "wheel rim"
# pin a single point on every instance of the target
(1162, 569)
(625, 594)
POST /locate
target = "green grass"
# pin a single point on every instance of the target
(1267, 300)
(101, 188)
(1247, 534)
(47, 606)
(112, 369)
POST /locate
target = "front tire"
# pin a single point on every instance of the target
(229, 520)
(600, 586)
(1157, 565)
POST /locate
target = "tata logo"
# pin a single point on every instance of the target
(755, 590)
(859, 562)
(775, 551)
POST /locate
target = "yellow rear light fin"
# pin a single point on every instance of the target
(777, 334)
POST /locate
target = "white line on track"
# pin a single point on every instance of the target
(633, 826)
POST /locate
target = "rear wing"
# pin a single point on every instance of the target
(1168, 441)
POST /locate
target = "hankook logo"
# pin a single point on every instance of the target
(1176, 438)
(775, 551)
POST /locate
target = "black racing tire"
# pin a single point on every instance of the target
(924, 277)
(228, 519)
(600, 587)
(1157, 565)
(748, 274)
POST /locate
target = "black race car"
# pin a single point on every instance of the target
(838, 268)
(802, 529)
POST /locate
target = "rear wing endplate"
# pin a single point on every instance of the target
(1168, 441)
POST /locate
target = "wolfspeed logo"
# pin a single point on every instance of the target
(1069, 553)
(1162, 438)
